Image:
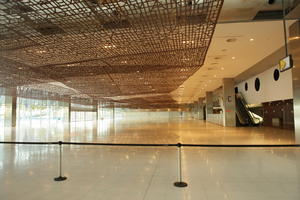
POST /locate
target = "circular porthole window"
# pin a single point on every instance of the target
(246, 86)
(276, 74)
(236, 90)
(257, 84)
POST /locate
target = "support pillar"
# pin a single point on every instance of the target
(69, 113)
(14, 111)
(229, 115)
(209, 104)
(195, 110)
(294, 45)
(200, 108)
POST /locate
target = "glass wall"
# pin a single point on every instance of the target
(77, 116)
(38, 112)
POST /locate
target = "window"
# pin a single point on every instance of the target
(257, 84)
(236, 90)
(276, 74)
(246, 86)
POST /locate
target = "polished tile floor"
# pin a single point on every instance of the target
(159, 130)
(148, 173)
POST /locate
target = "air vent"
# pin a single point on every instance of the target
(116, 25)
(231, 40)
(268, 14)
(47, 28)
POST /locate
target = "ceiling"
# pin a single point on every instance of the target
(134, 53)
(105, 49)
(235, 48)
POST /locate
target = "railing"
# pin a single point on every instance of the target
(178, 183)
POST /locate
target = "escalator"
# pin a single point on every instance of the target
(244, 116)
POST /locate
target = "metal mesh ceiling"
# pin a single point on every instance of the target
(105, 48)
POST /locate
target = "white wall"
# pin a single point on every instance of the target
(270, 90)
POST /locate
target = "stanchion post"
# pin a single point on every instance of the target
(60, 177)
(179, 183)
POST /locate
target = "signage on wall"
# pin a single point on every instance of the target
(286, 63)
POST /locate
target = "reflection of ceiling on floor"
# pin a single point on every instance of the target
(105, 48)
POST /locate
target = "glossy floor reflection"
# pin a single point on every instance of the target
(161, 130)
(148, 173)
(131, 173)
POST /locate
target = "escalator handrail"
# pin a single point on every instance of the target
(250, 114)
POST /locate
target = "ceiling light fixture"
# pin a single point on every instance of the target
(188, 42)
(41, 51)
(251, 40)
(233, 58)
(109, 46)
(294, 38)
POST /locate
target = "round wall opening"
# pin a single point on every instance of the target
(276, 74)
(257, 84)
(246, 86)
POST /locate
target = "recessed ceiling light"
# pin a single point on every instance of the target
(233, 58)
(294, 38)
(137, 71)
(41, 51)
(251, 40)
(222, 68)
(109, 46)
(185, 59)
(20, 68)
(188, 42)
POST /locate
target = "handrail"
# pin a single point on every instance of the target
(249, 113)
(152, 145)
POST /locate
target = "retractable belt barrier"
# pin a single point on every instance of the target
(179, 183)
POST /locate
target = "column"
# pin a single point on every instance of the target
(229, 102)
(69, 112)
(14, 111)
(294, 44)
(200, 108)
(209, 104)
(195, 109)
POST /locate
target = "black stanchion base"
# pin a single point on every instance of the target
(180, 184)
(60, 178)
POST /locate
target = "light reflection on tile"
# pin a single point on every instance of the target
(145, 131)
(137, 173)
